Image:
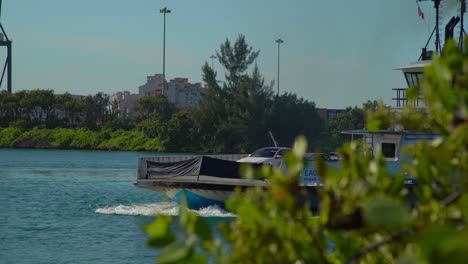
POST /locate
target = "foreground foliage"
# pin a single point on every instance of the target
(364, 213)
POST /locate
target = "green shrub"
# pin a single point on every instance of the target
(8, 136)
(85, 139)
(153, 144)
(62, 138)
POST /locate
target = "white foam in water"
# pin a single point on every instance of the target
(141, 209)
(213, 211)
(164, 208)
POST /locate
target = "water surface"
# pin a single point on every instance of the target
(68, 206)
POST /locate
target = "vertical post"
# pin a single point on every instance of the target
(212, 57)
(279, 41)
(437, 41)
(462, 29)
(164, 57)
(164, 11)
(9, 60)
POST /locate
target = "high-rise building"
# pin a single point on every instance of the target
(123, 102)
(179, 91)
(152, 87)
(184, 94)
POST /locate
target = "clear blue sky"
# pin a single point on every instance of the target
(336, 53)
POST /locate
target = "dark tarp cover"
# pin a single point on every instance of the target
(201, 165)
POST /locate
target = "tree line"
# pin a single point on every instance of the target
(235, 116)
(42, 108)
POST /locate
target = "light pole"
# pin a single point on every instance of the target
(279, 41)
(212, 57)
(164, 11)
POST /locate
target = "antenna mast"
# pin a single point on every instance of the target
(437, 40)
(272, 138)
(462, 28)
(426, 54)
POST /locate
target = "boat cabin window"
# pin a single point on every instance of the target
(282, 152)
(314, 156)
(413, 78)
(388, 150)
(265, 153)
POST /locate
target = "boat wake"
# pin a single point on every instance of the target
(164, 208)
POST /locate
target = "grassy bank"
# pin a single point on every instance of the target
(66, 138)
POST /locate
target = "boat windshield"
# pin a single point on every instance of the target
(332, 156)
(265, 153)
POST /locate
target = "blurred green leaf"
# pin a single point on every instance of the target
(441, 244)
(175, 253)
(385, 213)
(159, 232)
(202, 229)
(300, 146)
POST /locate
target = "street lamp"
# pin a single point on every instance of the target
(279, 41)
(164, 11)
(212, 57)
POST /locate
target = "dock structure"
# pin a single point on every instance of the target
(142, 168)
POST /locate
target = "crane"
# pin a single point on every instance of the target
(5, 42)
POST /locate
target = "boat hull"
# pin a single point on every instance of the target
(202, 194)
(205, 181)
(197, 199)
(199, 192)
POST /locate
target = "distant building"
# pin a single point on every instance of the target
(179, 91)
(123, 102)
(327, 115)
(77, 97)
(184, 94)
(152, 87)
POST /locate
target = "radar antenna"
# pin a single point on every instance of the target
(426, 55)
(272, 138)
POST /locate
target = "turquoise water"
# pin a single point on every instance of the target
(66, 206)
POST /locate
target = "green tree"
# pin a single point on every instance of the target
(102, 106)
(68, 109)
(291, 116)
(371, 105)
(148, 105)
(209, 114)
(88, 108)
(223, 118)
(235, 59)
(254, 103)
(39, 104)
(95, 110)
(7, 108)
(151, 126)
(177, 135)
(237, 115)
(351, 118)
